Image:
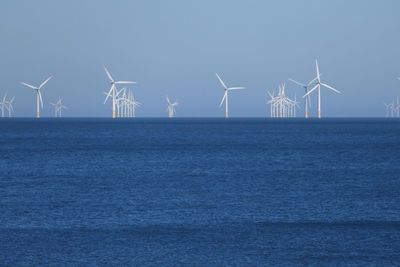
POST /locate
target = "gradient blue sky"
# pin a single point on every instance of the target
(175, 47)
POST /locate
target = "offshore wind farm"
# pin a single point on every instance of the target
(199, 133)
(123, 103)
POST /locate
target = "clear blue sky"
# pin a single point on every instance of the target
(175, 47)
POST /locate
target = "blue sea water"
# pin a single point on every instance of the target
(199, 192)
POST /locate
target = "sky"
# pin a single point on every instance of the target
(175, 48)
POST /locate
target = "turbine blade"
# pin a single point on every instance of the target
(30, 86)
(221, 81)
(236, 88)
(312, 90)
(108, 74)
(316, 65)
(125, 82)
(272, 96)
(109, 93)
(118, 92)
(298, 83)
(313, 80)
(330, 87)
(43, 83)
(223, 99)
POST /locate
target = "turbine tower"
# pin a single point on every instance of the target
(39, 100)
(171, 108)
(318, 87)
(113, 91)
(226, 94)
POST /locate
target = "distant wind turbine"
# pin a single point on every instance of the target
(58, 106)
(113, 91)
(226, 94)
(6, 104)
(318, 87)
(388, 106)
(171, 108)
(308, 100)
(133, 104)
(10, 106)
(3, 104)
(39, 100)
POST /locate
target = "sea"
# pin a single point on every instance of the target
(199, 192)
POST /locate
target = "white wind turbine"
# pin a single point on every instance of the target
(388, 107)
(58, 106)
(55, 105)
(318, 87)
(281, 105)
(9, 106)
(308, 100)
(61, 107)
(171, 108)
(226, 94)
(39, 100)
(6, 104)
(392, 109)
(112, 92)
(133, 104)
(3, 105)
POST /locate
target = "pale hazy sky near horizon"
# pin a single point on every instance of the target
(175, 47)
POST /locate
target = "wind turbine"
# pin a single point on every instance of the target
(61, 107)
(392, 109)
(112, 92)
(226, 94)
(133, 104)
(171, 108)
(388, 107)
(308, 100)
(55, 105)
(271, 102)
(9, 106)
(3, 105)
(318, 87)
(39, 99)
(58, 106)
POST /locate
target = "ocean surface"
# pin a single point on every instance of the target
(199, 192)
